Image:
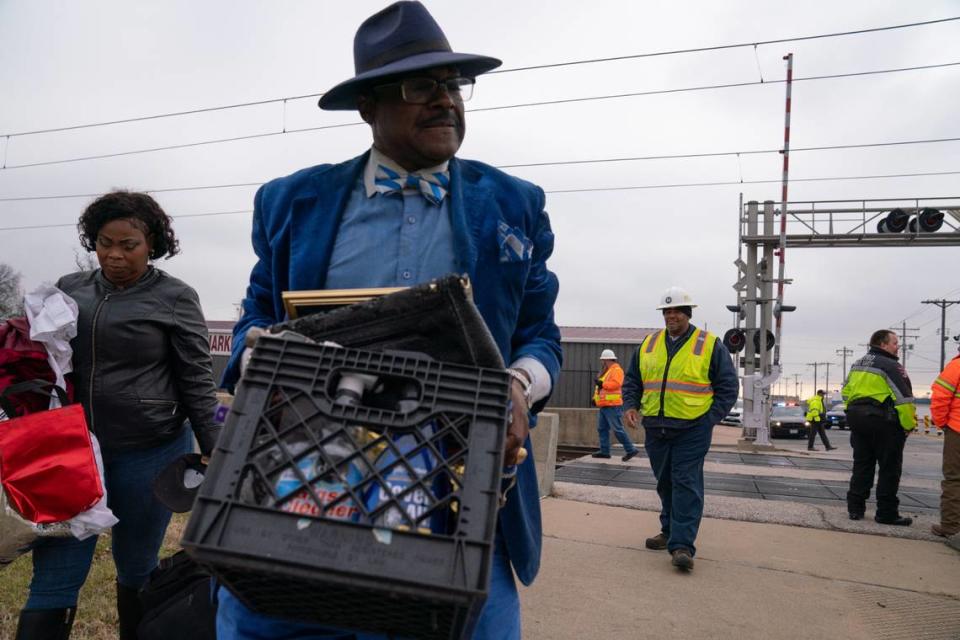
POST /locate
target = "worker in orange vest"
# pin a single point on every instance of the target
(945, 413)
(608, 397)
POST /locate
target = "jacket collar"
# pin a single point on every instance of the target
(316, 215)
(314, 219)
(149, 276)
(877, 351)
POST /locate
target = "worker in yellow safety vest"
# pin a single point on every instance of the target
(682, 380)
(607, 397)
(880, 414)
(816, 414)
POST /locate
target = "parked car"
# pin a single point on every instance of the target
(735, 417)
(836, 417)
(786, 422)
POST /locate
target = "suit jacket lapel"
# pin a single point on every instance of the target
(314, 220)
(469, 202)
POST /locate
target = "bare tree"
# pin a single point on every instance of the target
(11, 294)
(85, 260)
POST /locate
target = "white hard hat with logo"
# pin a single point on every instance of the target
(676, 297)
(608, 354)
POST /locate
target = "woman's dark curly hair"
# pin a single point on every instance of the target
(140, 209)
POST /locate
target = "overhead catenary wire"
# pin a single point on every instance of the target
(499, 71)
(285, 131)
(548, 191)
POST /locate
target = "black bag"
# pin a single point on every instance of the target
(177, 602)
(437, 318)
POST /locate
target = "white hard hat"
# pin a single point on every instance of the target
(608, 354)
(676, 297)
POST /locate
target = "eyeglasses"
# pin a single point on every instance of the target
(423, 90)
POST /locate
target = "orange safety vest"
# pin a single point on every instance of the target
(945, 399)
(609, 394)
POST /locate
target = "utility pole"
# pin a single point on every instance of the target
(844, 352)
(943, 304)
(904, 336)
(796, 381)
(815, 365)
(826, 385)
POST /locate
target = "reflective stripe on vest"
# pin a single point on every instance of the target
(603, 398)
(874, 383)
(676, 386)
(946, 385)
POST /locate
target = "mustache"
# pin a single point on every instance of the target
(444, 119)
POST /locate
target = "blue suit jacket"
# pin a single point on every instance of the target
(295, 224)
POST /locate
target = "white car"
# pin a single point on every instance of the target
(735, 417)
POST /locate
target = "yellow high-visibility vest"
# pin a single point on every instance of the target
(678, 386)
(815, 408)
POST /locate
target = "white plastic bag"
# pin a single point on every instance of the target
(52, 315)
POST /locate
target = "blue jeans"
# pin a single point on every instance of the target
(499, 618)
(612, 418)
(676, 456)
(60, 565)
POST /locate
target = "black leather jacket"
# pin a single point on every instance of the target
(141, 360)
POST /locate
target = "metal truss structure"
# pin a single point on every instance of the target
(809, 224)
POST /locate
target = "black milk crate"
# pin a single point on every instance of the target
(378, 516)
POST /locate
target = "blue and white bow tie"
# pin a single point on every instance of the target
(432, 186)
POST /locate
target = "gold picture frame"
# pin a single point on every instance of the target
(303, 303)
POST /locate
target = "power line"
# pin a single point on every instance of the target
(177, 217)
(732, 85)
(497, 71)
(714, 154)
(738, 182)
(285, 131)
(592, 189)
(724, 46)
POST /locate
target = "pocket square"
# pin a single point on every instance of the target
(514, 245)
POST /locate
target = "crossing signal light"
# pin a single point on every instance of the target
(735, 340)
(928, 221)
(895, 222)
(771, 340)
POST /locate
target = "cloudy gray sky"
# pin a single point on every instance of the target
(74, 63)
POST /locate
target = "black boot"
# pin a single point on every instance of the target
(45, 624)
(130, 611)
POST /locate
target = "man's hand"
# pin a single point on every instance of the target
(519, 424)
(632, 418)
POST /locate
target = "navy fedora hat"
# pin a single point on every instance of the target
(402, 38)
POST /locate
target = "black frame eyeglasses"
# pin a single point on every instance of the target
(422, 90)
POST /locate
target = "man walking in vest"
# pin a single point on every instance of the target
(880, 412)
(815, 415)
(683, 382)
(945, 413)
(608, 398)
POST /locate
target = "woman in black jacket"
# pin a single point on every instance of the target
(141, 369)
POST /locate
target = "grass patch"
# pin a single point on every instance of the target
(97, 608)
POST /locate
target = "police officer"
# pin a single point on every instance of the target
(683, 382)
(880, 413)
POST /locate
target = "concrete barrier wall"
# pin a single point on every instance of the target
(578, 427)
(543, 437)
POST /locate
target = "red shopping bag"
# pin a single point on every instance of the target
(47, 464)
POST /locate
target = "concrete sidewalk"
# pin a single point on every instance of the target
(751, 580)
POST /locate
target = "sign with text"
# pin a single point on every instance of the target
(221, 344)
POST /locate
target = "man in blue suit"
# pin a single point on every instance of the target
(405, 212)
